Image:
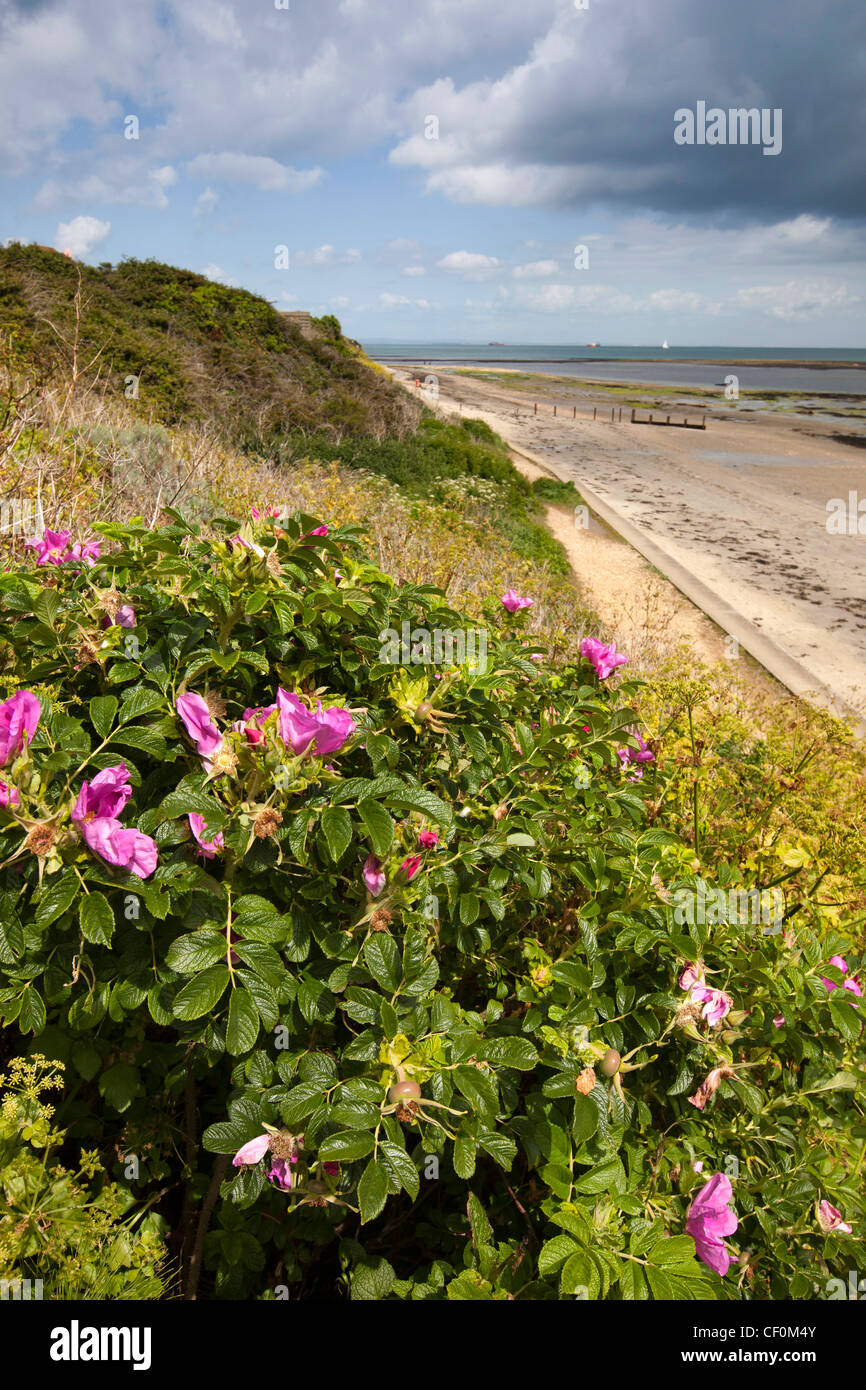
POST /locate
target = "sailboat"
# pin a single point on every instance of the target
(665, 345)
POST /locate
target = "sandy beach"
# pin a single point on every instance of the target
(734, 515)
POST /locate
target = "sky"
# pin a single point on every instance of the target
(458, 170)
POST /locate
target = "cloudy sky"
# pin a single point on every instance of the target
(432, 168)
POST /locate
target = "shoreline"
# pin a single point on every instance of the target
(734, 517)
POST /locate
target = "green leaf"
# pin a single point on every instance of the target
(465, 1150)
(86, 1060)
(346, 1145)
(56, 898)
(586, 1117)
(554, 1253)
(31, 1019)
(202, 993)
(102, 711)
(382, 959)
(142, 700)
(478, 1090)
(632, 1283)
(337, 827)
(228, 1136)
(500, 1147)
(846, 1018)
(380, 826)
(401, 1166)
(96, 918)
(674, 1250)
(606, 1177)
(46, 606)
(372, 1279)
(196, 951)
(419, 799)
(469, 908)
(509, 1052)
(243, 1026)
(372, 1190)
(580, 1276)
(120, 1085)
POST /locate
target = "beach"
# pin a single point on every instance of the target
(734, 515)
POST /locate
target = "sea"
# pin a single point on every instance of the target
(833, 371)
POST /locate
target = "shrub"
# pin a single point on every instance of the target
(60, 1230)
(442, 965)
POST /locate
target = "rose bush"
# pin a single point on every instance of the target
(405, 949)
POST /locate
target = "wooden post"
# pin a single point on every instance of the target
(704, 424)
(669, 419)
(632, 414)
(620, 415)
(574, 412)
(554, 412)
(594, 411)
(612, 413)
(535, 408)
(651, 417)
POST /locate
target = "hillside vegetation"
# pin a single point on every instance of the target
(475, 973)
(198, 350)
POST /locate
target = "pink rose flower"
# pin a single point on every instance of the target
(427, 839)
(332, 1169)
(8, 796)
(300, 727)
(19, 717)
(778, 1020)
(716, 1004)
(709, 1086)
(89, 553)
(851, 982)
(319, 531)
(199, 725)
(692, 975)
(709, 1219)
(280, 1172)
(641, 754)
(253, 1151)
(105, 797)
(207, 848)
(602, 656)
(410, 866)
(513, 602)
(830, 1219)
(373, 875)
(96, 809)
(124, 848)
(51, 549)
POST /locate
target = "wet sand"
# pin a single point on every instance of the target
(735, 516)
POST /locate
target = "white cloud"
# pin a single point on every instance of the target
(399, 301)
(81, 236)
(327, 255)
(535, 270)
(213, 272)
(206, 203)
(471, 264)
(797, 300)
(259, 170)
(683, 301)
(117, 181)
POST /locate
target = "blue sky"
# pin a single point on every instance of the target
(431, 169)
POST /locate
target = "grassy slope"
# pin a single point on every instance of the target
(201, 350)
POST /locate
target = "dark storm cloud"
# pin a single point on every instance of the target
(589, 116)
